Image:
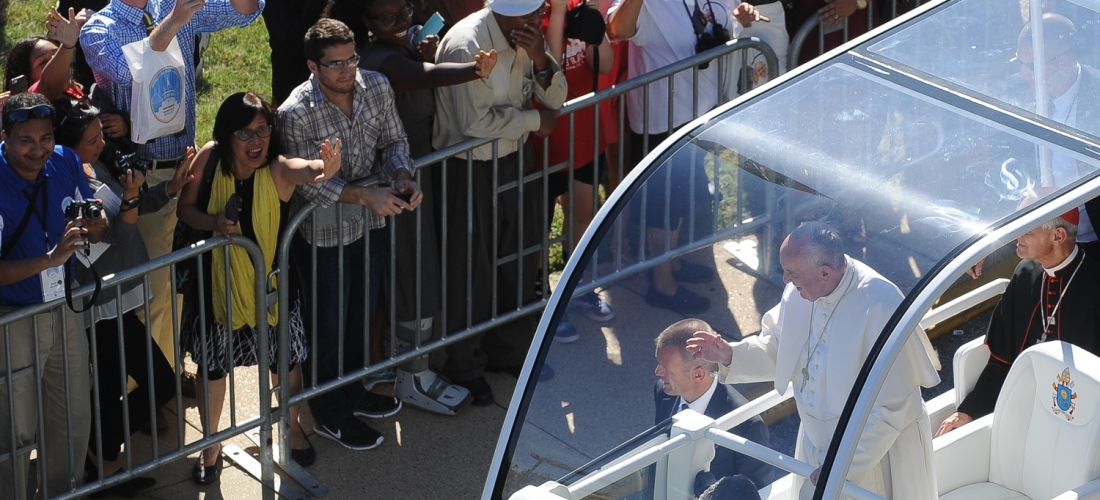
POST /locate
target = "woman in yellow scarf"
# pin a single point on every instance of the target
(240, 164)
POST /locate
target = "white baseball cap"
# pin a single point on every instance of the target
(515, 8)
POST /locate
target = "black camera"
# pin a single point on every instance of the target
(131, 162)
(705, 41)
(88, 209)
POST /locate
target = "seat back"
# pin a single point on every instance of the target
(969, 361)
(1045, 432)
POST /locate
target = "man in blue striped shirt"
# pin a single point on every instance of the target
(125, 21)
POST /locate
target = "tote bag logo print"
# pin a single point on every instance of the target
(166, 94)
(158, 95)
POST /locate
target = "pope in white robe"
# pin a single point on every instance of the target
(817, 338)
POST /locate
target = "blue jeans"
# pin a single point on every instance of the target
(361, 267)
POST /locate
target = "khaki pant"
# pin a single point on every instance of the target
(157, 229)
(62, 368)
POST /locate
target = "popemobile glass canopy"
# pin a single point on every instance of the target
(919, 143)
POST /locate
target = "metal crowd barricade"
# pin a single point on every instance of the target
(112, 286)
(269, 414)
(532, 178)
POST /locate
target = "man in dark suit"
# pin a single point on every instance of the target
(1073, 91)
(684, 383)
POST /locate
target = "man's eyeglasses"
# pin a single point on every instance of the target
(23, 114)
(340, 65)
(245, 135)
(391, 20)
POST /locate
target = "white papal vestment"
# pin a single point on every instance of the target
(830, 338)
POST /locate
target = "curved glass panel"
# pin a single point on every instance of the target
(977, 44)
(904, 178)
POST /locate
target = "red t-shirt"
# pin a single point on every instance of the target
(579, 76)
(73, 91)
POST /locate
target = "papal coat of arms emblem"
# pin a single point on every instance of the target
(1063, 395)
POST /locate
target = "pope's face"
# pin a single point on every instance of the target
(675, 379)
(812, 282)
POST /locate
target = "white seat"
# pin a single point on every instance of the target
(968, 363)
(1042, 439)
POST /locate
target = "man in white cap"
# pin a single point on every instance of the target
(503, 220)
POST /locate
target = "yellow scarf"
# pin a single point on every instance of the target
(265, 222)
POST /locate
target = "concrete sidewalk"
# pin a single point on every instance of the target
(420, 457)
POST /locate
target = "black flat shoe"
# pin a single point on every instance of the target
(305, 457)
(209, 474)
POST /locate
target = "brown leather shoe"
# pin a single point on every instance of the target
(188, 385)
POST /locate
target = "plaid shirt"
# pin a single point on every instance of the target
(119, 24)
(306, 119)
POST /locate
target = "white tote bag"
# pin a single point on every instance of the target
(157, 98)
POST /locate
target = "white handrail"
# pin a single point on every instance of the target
(785, 462)
(600, 479)
(966, 301)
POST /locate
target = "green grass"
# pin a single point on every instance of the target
(237, 60)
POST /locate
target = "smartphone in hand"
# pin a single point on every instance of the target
(232, 208)
(18, 85)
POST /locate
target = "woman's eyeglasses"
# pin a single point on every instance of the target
(245, 135)
(392, 19)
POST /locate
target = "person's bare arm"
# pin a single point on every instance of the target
(131, 182)
(73, 239)
(180, 15)
(188, 210)
(57, 74)
(623, 23)
(405, 74)
(246, 7)
(555, 31)
(607, 57)
(291, 172)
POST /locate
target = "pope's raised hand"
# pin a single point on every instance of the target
(710, 347)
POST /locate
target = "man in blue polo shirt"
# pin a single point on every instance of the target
(36, 180)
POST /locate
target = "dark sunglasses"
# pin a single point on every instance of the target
(77, 112)
(392, 19)
(245, 135)
(23, 114)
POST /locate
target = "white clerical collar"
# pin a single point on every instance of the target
(842, 287)
(700, 404)
(1059, 267)
(1064, 102)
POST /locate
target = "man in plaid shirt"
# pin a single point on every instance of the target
(339, 100)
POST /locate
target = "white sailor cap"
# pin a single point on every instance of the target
(515, 8)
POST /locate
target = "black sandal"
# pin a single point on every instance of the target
(209, 474)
